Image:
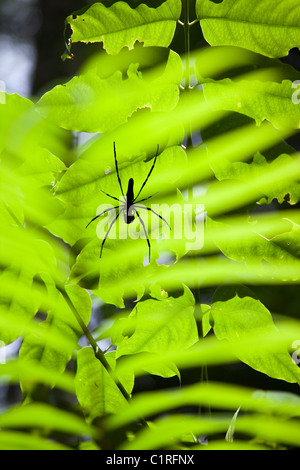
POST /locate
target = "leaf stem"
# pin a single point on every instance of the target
(97, 351)
(186, 28)
(193, 22)
(187, 89)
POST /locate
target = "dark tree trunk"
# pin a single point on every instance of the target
(50, 44)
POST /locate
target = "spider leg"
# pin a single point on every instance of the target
(109, 229)
(102, 213)
(113, 197)
(117, 169)
(147, 198)
(151, 210)
(148, 174)
(143, 225)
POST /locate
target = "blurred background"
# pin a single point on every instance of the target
(32, 42)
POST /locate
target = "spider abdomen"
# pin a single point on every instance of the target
(129, 194)
(128, 213)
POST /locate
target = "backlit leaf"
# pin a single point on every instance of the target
(96, 391)
(91, 103)
(256, 99)
(162, 326)
(120, 25)
(240, 317)
(268, 27)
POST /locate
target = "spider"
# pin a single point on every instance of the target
(129, 206)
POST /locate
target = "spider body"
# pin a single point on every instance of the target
(128, 212)
(130, 204)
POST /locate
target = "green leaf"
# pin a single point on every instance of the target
(216, 395)
(29, 164)
(88, 445)
(279, 249)
(157, 292)
(169, 430)
(233, 62)
(230, 195)
(209, 271)
(226, 125)
(259, 100)
(95, 274)
(32, 372)
(235, 316)
(14, 306)
(231, 430)
(121, 26)
(211, 351)
(268, 27)
(126, 377)
(14, 107)
(39, 415)
(239, 318)
(13, 440)
(282, 190)
(19, 297)
(269, 429)
(91, 103)
(121, 328)
(224, 292)
(164, 370)
(96, 391)
(60, 318)
(162, 325)
(288, 192)
(206, 319)
(34, 142)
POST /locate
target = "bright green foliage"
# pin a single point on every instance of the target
(157, 327)
(94, 104)
(277, 250)
(258, 100)
(156, 318)
(244, 171)
(223, 396)
(96, 390)
(36, 414)
(32, 372)
(60, 318)
(240, 317)
(269, 27)
(15, 440)
(160, 325)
